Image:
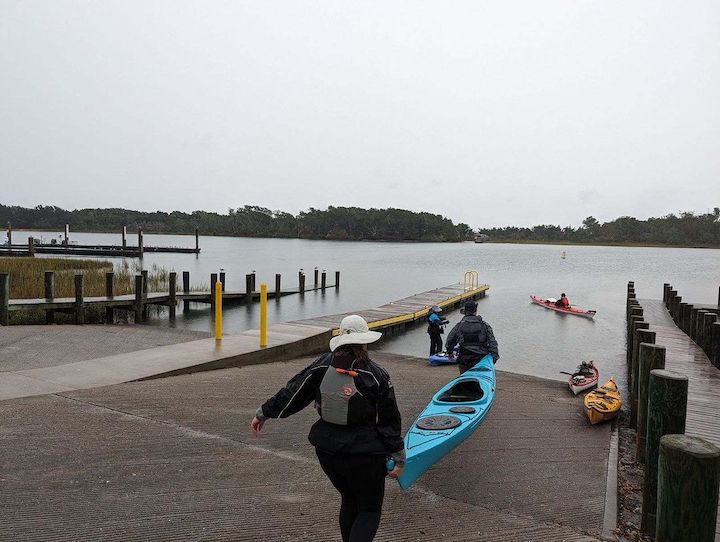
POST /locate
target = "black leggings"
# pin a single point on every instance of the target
(360, 479)
(435, 343)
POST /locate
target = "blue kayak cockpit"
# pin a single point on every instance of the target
(463, 391)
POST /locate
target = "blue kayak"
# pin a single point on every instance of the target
(442, 358)
(452, 416)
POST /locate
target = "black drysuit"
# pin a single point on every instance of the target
(352, 455)
(476, 340)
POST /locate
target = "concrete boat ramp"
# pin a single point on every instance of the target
(172, 459)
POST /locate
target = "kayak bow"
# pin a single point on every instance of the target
(452, 416)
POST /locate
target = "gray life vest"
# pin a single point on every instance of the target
(336, 389)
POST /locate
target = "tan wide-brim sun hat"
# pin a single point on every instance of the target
(354, 330)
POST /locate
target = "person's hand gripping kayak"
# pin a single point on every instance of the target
(395, 469)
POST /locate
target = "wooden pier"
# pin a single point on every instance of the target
(688, 339)
(67, 248)
(141, 299)
(405, 311)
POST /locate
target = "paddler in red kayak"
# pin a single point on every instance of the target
(563, 301)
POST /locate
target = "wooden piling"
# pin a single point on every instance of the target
(49, 285)
(172, 301)
(680, 309)
(278, 279)
(631, 304)
(222, 280)
(31, 246)
(253, 275)
(337, 280)
(323, 280)
(138, 305)
(9, 235)
(186, 290)
(213, 281)
(693, 322)
(66, 241)
(4, 299)
(642, 335)
(675, 306)
(671, 297)
(110, 293)
(144, 274)
(688, 485)
(248, 288)
(634, 317)
(49, 295)
(197, 239)
(708, 320)
(79, 310)
(302, 283)
(666, 414)
(651, 357)
(715, 344)
(635, 312)
(124, 236)
(685, 320)
(699, 327)
(316, 277)
(141, 247)
(628, 344)
(666, 292)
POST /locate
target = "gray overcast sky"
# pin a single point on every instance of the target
(492, 113)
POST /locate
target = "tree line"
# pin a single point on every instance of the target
(683, 229)
(339, 223)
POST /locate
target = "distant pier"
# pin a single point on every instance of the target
(65, 247)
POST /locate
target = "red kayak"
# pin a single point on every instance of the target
(550, 304)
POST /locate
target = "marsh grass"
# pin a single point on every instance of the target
(27, 276)
(27, 281)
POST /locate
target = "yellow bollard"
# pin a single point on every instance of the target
(263, 315)
(218, 311)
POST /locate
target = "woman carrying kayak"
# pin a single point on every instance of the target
(359, 425)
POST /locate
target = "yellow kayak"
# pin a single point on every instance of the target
(603, 404)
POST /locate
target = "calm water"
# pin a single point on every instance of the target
(532, 340)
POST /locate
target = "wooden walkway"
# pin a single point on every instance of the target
(686, 357)
(285, 341)
(404, 311)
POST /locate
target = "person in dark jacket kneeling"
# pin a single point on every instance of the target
(475, 337)
(359, 425)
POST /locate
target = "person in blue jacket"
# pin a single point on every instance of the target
(435, 329)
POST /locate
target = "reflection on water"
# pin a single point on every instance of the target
(533, 340)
